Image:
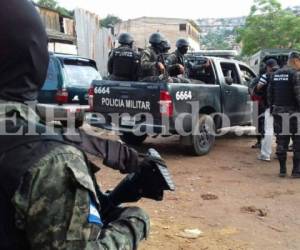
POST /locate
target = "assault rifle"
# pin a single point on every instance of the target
(150, 183)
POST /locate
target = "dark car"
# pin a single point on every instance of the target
(66, 87)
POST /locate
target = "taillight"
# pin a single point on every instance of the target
(166, 104)
(91, 94)
(62, 96)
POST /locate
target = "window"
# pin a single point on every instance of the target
(51, 82)
(230, 73)
(81, 75)
(199, 70)
(182, 27)
(247, 75)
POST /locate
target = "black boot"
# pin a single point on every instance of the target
(282, 172)
(296, 168)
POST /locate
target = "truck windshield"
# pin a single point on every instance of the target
(81, 75)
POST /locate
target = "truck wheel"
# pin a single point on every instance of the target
(203, 137)
(132, 139)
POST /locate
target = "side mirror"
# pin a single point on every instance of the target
(228, 80)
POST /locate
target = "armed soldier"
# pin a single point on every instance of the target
(152, 62)
(49, 198)
(176, 61)
(123, 63)
(284, 100)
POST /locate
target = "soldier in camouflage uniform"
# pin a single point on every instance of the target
(152, 61)
(49, 198)
(176, 61)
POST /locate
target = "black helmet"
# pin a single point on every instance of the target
(166, 46)
(182, 43)
(125, 39)
(294, 55)
(156, 39)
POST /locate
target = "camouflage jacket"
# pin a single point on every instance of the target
(149, 61)
(57, 207)
(172, 62)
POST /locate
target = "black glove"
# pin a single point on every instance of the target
(121, 157)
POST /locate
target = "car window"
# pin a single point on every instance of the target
(51, 82)
(247, 75)
(80, 75)
(201, 69)
(230, 73)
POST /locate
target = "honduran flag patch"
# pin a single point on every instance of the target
(94, 216)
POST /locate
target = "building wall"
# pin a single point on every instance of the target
(50, 19)
(173, 29)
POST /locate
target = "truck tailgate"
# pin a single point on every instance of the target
(126, 97)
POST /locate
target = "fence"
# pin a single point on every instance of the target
(92, 41)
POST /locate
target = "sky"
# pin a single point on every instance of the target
(191, 9)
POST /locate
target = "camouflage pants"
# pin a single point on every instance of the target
(158, 79)
(180, 79)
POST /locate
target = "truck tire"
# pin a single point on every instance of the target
(132, 139)
(203, 138)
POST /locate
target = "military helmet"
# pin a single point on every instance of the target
(125, 38)
(157, 38)
(294, 55)
(166, 46)
(182, 43)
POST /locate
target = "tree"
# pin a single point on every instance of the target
(63, 11)
(218, 40)
(269, 26)
(52, 4)
(109, 21)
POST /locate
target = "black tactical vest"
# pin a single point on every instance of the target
(283, 88)
(17, 155)
(125, 63)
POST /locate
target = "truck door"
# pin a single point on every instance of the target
(247, 76)
(235, 95)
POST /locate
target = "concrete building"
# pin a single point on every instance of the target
(172, 28)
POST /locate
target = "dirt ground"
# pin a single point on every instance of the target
(236, 201)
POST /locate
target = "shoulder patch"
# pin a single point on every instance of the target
(94, 215)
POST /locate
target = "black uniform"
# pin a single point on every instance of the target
(284, 100)
(123, 64)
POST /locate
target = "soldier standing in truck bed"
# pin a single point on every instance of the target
(176, 61)
(152, 62)
(123, 63)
